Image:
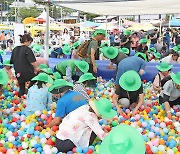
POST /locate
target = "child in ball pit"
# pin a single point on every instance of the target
(9, 70)
(163, 75)
(80, 126)
(80, 85)
(129, 92)
(38, 97)
(170, 95)
(3, 80)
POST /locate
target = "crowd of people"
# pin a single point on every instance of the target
(77, 114)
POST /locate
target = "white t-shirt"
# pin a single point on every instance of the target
(169, 89)
(169, 60)
(65, 39)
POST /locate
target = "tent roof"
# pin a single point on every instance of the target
(43, 16)
(124, 8)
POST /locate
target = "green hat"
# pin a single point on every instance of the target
(111, 52)
(153, 49)
(127, 32)
(124, 50)
(143, 41)
(142, 55)
(103, 108)
(176, 49)
(102, 49)
(99, 31)
(59, 83)
(76, 44)
(66, 49)
(178, 46)
(123, 139)
(37, 48)
(2, 52)
(176, 77)
(7, 63)
(157, 55)
(57, 75)
(42, 66)
(47, 70)
(3, 77)
(43, 77)
(130, 81)
(86, 77)
(164, 66)
(82, 65)
(32, 45)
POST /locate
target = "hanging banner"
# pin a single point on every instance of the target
(18, 30)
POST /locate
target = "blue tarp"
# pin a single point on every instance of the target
(174, 22)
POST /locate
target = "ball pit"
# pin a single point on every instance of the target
(21, 134)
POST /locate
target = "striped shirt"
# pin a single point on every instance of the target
(79, 87)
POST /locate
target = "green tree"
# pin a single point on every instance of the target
(29, 12)
(89, 16)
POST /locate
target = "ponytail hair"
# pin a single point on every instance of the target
(25, 38)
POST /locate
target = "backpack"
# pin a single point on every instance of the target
(163, 81)
(82, 49)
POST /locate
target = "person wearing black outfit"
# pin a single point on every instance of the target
(153, 37)
(24, 62)
(126, 40)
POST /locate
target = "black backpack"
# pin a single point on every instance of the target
(163, 81)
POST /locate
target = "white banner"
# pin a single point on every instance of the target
(18, 30)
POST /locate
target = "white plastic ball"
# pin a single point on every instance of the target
(176, 124)
(161, 148)
(43, 140)
(37, 113)
(14, 124)
(47, 134)
(48, 151)
(8, 134)
(170, 151)
(11, 138)
(23, 152)
(33, 142)
(54, 150)
(46, 147)
(24, 145)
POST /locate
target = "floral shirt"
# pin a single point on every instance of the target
(78, 125)
(38, 99)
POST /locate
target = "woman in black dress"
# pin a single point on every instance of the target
(24, 62)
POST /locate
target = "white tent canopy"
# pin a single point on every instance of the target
(43, 16)
(125, 8)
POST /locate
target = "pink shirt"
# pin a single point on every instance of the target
(78, 125)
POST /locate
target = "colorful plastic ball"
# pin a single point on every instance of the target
(151, 122)
(144, 124)
(47, 134)
(11, 139)
(54, 150)
(162, 125)
(37, 113)
(48, 151)
(43, 140)
(79, 150)
(161, 148)
(151, 135)
(170, 151)
(137, 116)
(154, 149)
(24, 145)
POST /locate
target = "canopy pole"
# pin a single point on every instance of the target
(46, 55)
(119, 23)
(160, 27)
(106, 29)
(170, 20)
